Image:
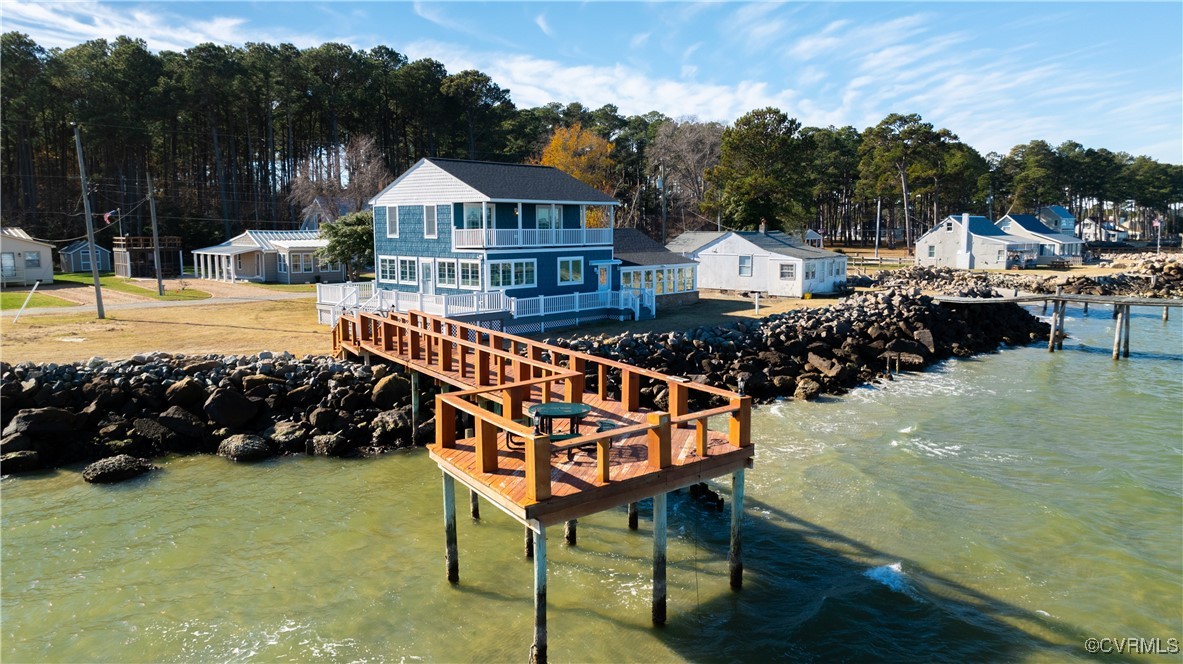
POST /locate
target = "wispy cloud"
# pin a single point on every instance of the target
(540, 21)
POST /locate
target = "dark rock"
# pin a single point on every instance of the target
(230, 408)
(807, 389)
(390, 390)
(42, 422)
(244, 447)
(16, 442)
(323, 418)
(182, 422)
(331, 445)
(303, 395)
(20, 461)
(259, 380)
(186, 392)
(287, 436)
(116, 469)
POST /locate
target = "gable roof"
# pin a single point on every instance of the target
(785, 245)
(981, 226)
(81, 244)
(1033, 225)
(265, 241)
(691, 241)
(20, 234)
(513, 182)
(1057, 210)
(632, 247)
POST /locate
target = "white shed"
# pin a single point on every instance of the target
(772, 263)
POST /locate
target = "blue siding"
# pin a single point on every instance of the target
(411, 242)
(547, 270)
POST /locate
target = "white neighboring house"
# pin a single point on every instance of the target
(24, 260)
(757, 261)
(1053, 245)
(1091, 231)
(968, 242)
(286, 257)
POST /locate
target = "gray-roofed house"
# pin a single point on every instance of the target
(1057, 218)
(24, 259)
(75, 257)
(515, 247)
(645, 264)
(1053, 246)
(287, 257)
(967, 242)
(765, 262)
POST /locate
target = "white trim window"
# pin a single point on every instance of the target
(470, 274)
(306, 259)
(544, 217)
(473, 212)
(948, 227)
(570, 270)
(932, 251)
(407, 271)
(32, 259)
(810, 270)
(388, 269)
(281, 263)
(788, 272)
(392, 221)
(513, 274)
(745, 266)
(430, 228)
(238, 262)
(8, 264)
(445, 273)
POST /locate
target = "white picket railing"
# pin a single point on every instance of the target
(364, 297)
(478, 238)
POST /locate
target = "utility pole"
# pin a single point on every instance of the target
(878, 216)
(155, 239)
(662, 203)
(94, 259)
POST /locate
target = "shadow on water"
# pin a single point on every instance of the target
(811, 595)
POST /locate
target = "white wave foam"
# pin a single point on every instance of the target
(891, 576)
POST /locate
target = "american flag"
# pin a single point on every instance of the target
(107, 216)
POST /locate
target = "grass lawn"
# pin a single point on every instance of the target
(109, 280)
(12, 301)
(290, 288)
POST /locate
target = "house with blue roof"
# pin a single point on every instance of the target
(973, 242)
(1057, 218)
(1053, 246)
(520, 248)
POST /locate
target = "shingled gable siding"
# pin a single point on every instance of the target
(427, 182)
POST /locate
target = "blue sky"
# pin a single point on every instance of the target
(1108, 75)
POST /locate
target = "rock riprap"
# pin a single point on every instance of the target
(242, 407)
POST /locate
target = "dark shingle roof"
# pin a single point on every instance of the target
(982, 226)
(780, 243)
(520, 182)
(81, 244)
(1030, 222)
(633, 247)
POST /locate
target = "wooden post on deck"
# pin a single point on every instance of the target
(602, 375)
(630, 389)
(576, 383)
(538, 650)
(660, 455)
(632, 516)
(1125, 343)
(571, 532)
(538, 468)
(450, 556)
(486, 446)
(659, 558)
(735, 552)
(739, 429)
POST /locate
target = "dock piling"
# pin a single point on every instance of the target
(735, 551)
(538, 650)
(570, 531)
(450, 555)
(632, 516)
(1117, 310)
(659, 559)
(1125, 343)
(529, 543)
(474, 505)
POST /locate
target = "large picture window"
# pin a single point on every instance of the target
(470, 274)
(570, 271)
(512, 274)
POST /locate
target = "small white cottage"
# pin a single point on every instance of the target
(763, 262)
(287, 257)
(24, 260)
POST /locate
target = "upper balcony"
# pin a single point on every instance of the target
(512, 238)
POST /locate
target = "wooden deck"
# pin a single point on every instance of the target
(498, 376)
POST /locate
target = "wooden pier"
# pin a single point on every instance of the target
(1121, 312)
(618, 454)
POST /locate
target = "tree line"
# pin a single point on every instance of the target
(250, 137)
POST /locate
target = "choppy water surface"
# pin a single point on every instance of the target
(1003, 508)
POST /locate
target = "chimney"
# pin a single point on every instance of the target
(763, 227)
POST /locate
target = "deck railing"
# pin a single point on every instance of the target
(480, 238)
(541, 372)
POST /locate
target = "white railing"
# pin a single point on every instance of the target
(477, 238)
(546, 305)
(362, 290)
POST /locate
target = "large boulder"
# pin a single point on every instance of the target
(116, 469)
(182, 422)
(230, 408)
(390, 390)
(287, 436)
(331, 445)
(21, 461)
(186, 392)
(42, 422)
(244, 447)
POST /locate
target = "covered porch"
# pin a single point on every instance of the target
(229, 263)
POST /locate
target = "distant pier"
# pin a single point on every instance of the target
(1121, 312)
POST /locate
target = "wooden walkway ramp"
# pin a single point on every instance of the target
(617, 454)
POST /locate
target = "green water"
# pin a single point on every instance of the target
(1004, 508)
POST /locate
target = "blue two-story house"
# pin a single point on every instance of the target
(529, 246)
